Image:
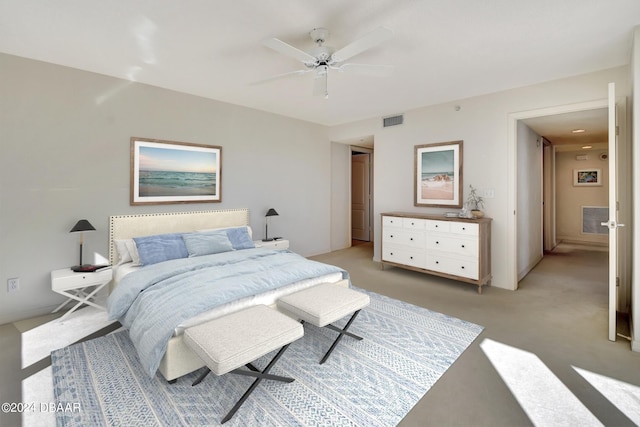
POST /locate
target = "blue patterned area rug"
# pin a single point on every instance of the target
(373, 382)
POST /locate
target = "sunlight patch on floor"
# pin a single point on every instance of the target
(37, 390)
(624, 396)
(39, 342)
(543, 397)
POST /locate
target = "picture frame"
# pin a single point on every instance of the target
(165, 172)
(438, 174)
(587, 177)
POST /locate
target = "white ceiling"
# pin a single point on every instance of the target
(442, 50)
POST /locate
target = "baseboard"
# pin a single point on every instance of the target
(530, 267)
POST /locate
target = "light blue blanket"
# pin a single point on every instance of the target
(153, 301)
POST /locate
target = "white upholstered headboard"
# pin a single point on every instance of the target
(128, 226)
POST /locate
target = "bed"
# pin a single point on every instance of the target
(158, 301)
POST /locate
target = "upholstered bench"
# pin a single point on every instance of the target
(324, 304)
(237, 339)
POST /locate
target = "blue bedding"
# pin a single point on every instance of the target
(153, 301)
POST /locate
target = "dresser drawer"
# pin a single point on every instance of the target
(414, 223)
(414, 239)
(391, 221)
(465, 228)
(404, 256)
(441, 226)
(437, 243)
(455, 266)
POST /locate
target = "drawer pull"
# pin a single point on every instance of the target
(391, 253)
(463, 246)
(464, 228)
(437, 242)
(437, 262)
(462, 267)
(391, 236)
(411, 238)
(410, 257)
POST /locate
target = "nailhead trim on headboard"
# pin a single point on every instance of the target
(137, 225)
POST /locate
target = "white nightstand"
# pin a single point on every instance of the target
(77, 286)
(272, 244)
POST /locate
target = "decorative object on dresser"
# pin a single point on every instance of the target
(475, 202)
(174, 172)
(270, 212)
(80, 227)
(438, 174)
(456, 248)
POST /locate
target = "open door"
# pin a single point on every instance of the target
(612, 224)
(360, 196)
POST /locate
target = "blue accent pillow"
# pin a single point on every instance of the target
(199, 244)
(160, 247)
(239, 238)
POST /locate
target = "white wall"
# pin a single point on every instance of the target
(483, 123)
(340, 196)
(529, 201)
(64, 138)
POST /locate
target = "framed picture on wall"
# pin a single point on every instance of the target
(587, 177)
(438, 174)
(165, 172)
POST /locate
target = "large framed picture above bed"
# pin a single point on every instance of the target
(164, 172)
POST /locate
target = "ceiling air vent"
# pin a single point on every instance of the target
(392, 121)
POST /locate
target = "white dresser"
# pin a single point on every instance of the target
(457, 248)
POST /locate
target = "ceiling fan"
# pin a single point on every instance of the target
(323, 58)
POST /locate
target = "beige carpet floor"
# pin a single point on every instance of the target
(558, 315)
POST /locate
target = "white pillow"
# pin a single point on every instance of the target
(133, 251)
(122, 251)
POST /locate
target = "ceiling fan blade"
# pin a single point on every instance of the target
(320, 84)
(367, 69)
(281, 76)
(288, 50)
(368, 41)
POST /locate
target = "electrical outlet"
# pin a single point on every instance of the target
(13, 284)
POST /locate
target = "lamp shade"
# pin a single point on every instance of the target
(271, 212)
(83, 225)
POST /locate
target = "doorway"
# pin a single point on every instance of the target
(361, 195)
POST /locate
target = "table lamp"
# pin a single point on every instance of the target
(81, 226)
(270, 212)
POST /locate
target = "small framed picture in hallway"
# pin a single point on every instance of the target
(587, 177)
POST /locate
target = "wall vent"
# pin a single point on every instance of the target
(392, 121)
(592, 219)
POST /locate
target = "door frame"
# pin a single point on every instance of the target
(369, 151)
(512, 188)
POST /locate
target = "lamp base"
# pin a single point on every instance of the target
(268, 240)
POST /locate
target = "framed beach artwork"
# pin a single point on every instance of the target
(438, 174)
(587, 177)
(174, 172)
